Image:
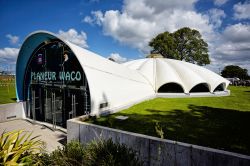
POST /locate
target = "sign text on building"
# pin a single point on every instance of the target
(52, 76)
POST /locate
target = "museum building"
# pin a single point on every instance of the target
(58, 80)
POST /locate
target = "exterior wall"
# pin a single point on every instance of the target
(156, 151)
(12, 111)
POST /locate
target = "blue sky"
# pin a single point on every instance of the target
(122, 28)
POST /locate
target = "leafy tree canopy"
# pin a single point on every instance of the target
(232, 71)
(184, 44)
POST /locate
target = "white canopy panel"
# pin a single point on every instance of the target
(184, 74)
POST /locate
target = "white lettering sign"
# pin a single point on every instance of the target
(52, 76)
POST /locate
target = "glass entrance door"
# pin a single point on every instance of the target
(53, 106)
(75, 102)
(36, 102)
(57, 105)
(48, 105)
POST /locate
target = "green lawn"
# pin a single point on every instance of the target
(218, 122)
(7, 89)
(7, 94)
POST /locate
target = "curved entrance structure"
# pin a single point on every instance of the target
(51, 80)
(59, 80)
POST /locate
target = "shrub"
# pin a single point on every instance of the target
(17, 148)
(71, 154)
(75, 150)
(96, 153)
(108, 153)
(41, 159)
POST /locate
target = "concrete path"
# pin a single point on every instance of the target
(53, 139)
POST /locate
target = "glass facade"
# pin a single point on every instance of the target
(56, 87)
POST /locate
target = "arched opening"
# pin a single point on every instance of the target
(203, 87)
(171, 88)
(220, 87)
(55, 85)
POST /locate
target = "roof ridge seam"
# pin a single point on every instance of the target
(146, 61)
(141, 65)
(174, 69)
(147, 80)
(204, 80)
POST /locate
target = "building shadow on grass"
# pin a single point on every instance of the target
(225, 129)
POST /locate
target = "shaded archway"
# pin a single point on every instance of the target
(202, 87)
(220, 87)
(171, 88)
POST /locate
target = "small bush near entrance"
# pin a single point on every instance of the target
(17, 148)
(71, 154)
(110, 154)
(101, 153)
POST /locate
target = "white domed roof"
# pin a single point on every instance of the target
(161, 72)
(114, 86)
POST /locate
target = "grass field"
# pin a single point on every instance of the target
(7, 89)
(218, 122)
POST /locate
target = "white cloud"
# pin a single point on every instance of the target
(220, 2)
(216, 16)
(233, 46)
(161, 5)
(242, 10)
(97, 18)
(12, 39)
(88, 19)
(9, 53)
(140, 20)
(117, 58)
(237, 33)
(234, 50)
(97, 14)
(73, 36)
(8, 58)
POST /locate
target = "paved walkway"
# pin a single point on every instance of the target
(53, 139)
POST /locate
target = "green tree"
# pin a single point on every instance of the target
(231, 71)
(184, 44)
(165, 45)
